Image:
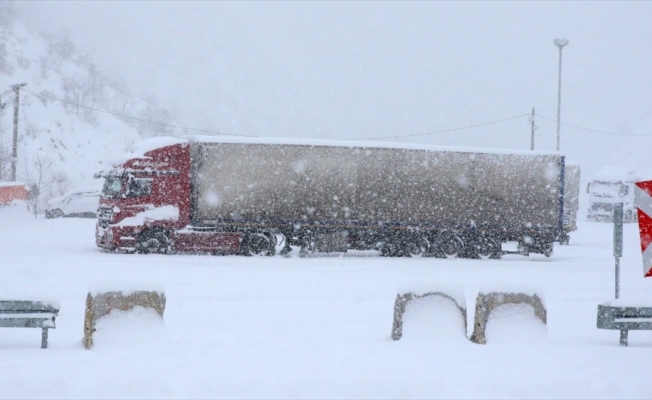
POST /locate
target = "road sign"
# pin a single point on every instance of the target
(644, 204)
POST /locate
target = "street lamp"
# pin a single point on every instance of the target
(559, 43)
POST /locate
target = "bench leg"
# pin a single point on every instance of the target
(44, 338)
(623, 337)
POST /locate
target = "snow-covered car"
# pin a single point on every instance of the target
(77, 203)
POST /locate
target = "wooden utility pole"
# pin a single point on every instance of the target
(533, 128)
(14, 152)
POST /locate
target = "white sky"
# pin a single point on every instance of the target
(370, 69)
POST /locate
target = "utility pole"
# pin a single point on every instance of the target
(533, 128)
(14, 153)
(2, 133)
(559, 43)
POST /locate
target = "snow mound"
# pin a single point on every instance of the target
(515, 324)
(14, 213)
(433, 317)
(139, 328)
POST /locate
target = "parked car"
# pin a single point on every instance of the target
(77, 203)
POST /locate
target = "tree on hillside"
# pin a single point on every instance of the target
(7, 14)
(36, 177)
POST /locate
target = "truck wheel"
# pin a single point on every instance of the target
(153, 242)
(419, 247)
(389, 250)
(489, 248)
(564, 239)
(258, 244)
(451, 245)
(54, 214)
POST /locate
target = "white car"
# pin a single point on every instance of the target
(76, 203)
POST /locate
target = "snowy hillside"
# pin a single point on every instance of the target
(62, 141)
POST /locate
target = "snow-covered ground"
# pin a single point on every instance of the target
(318, 327)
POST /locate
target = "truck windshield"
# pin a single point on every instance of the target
(112, 187)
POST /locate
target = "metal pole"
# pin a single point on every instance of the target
(618, 242)
(14, 153)
(532, 135)
(617, 278)
(559, 43)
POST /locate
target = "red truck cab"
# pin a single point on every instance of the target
(146, 203)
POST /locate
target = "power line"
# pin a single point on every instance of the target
(594, 130)
(607, 151)
(444, 131)
(132, 118)
(481, 140)
(7, 92)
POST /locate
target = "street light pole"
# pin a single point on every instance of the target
(559, 43)
(14, 153)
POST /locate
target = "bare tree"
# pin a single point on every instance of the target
(5, 162)
(59, 184)
(35, 176)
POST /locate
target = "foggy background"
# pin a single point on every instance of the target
(351, 70)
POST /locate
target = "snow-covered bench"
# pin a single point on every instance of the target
(29, 314)
(624, 318)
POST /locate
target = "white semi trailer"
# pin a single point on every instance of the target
(237, 196)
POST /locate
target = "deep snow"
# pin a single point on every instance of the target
(319, 327)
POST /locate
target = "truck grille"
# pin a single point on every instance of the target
(104, 215)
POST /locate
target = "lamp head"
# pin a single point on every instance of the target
(561, 42)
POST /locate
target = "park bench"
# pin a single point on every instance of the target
(29, 314)
(624, 319)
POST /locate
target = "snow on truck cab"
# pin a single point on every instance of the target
(239, 196)
(609, 186)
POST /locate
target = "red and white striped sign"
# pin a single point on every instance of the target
(644, 204)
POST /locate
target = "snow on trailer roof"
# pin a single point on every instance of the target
(139, 149)
(359, 143)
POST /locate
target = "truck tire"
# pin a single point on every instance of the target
(420, 246)
(258, 244)
(449, 244)
(56, 213)
(564, 239)
(489, 248)
(152, 241)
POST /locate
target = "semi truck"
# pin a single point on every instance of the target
(609, 186)
(252, 196)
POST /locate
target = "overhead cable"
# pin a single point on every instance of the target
(40, 95)
(444, 131)
(606, 150)
(481, 140)
(594, 130)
